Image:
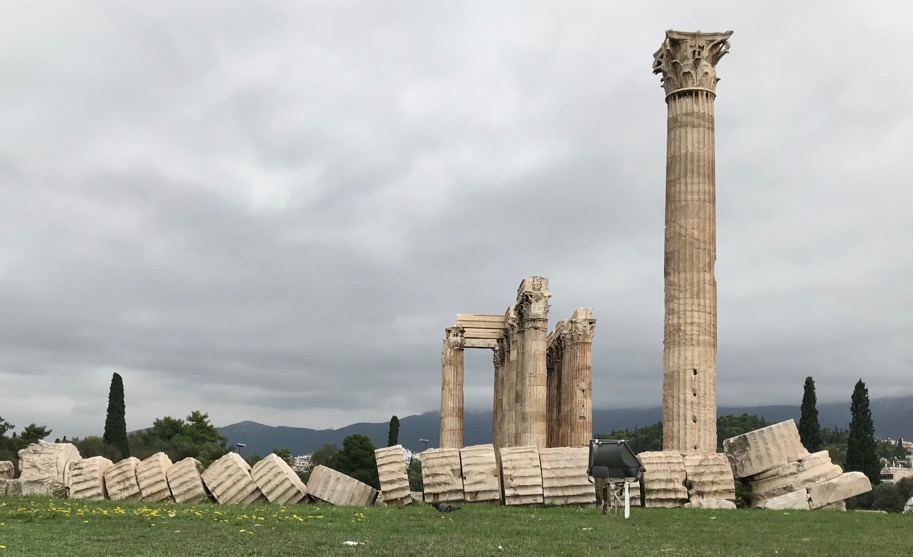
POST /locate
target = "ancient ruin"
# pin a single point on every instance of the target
(278, 482)
(393, 476)
(542, 382)
(687, 62)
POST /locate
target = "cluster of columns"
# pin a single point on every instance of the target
(687, 63)
(534, 404)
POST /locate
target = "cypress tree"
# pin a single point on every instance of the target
(809, 428)
(861, 452)
(115, 421)
(393, 432)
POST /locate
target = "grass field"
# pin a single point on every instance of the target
(49, 527)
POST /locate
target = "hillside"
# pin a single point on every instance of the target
(893, 418)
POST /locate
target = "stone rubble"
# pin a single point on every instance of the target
(764, 449)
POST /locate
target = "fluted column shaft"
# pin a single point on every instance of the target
(554, 378)
(687, 62)
(532, 312)
(499, 404)
(452, 389)
(576, 418)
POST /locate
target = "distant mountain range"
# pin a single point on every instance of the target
(893, 418)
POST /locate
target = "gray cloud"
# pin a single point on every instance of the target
(272, 213)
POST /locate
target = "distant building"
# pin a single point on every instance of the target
(300, 463)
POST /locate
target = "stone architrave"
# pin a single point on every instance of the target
(185, 481)
(442, 475)
(481, 475)
(687, 62)
(575, 415)
(7, 470)
(151, 475)
(278, 481)
(521, 475)
(664, 478)
(532, 313)
(764, 449)
(87, 478)
(230, 482)
(120, 480)
(336, 488)
(452, 389)
(564, 477)
(393, 475)
(47, 462)
(840, 488)
(708, 476)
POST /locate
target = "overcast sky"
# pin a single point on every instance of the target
(270, 211)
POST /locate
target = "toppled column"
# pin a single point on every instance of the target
(393, 475)
(481, 475)
(687, 62)
(87, 478)
(532, 312)
(120, 480)
(339, 489)
(564, 477)
(151, 474)
(442, 475)
(521, 475)
(277, 481)
(47, 462)
(452, 389)
(185, 481)
(799, 474)
(230, 482)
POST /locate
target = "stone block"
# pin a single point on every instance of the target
(87, 478)
(442, 475)
(564, 477)
(336, 488)
(702, 503)
(120, 480)
(47, 462)
(708, 476)
(19, 488)
(230, 482)
(481, 475)
(152, 477)
(764, 449)
(839, 506)
(4, 482)
(808, 471)
(7, 470)
(185, 482)
(840, 488)
(796, 500)
(521, 475)
(664, 478)
(278, 482)
(393, 475)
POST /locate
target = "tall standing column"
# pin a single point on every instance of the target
(511, 396)
(576, 405)
(554, 375)
(452, 389)
(499, 403)
(532, 311)
(687, 62)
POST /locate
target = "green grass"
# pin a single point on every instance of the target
(48, 527)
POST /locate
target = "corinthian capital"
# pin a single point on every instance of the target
(687, 61)
(454, 338)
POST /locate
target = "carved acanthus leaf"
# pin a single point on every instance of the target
(687, 61)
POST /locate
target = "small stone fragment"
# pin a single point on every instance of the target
(796, 500)
(7, 470)
(701, 503)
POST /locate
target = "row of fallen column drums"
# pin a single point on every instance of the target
(510, 475)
